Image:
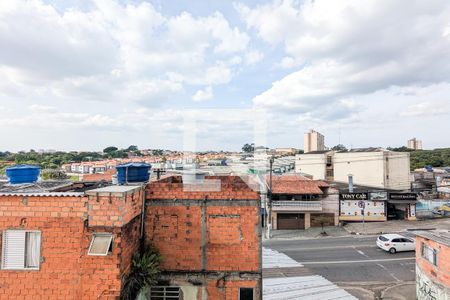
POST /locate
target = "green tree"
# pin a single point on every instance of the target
(143, 274)
(248, 148)
(110, 149)
(339, 147)
(132, 148)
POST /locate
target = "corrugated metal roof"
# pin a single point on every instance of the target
(275, 259)
(303, 287)
(439, 236)
(43, 194)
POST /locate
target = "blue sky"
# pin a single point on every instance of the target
(82, 75)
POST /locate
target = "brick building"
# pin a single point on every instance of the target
(76, 241)
(67, 244)
(433, 265)
(209, 235)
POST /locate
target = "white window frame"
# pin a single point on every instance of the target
(431, 251)
(25, 268)
(92, 242)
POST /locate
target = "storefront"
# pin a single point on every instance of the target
(402, 206)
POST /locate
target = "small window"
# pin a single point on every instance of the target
(166, 293)
(429, 254)
(100, 244)
(21, 250)
(245, 294)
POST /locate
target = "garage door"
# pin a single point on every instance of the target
(290, 221)
(316, 219)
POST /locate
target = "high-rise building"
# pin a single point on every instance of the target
(313, 141)
(414, 144)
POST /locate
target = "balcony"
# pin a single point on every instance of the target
(315, 205)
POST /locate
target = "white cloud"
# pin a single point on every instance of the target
(203, 95)
(350, 48)
(112, 51)
(254, 56)
(426, 109)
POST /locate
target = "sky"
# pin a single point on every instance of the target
(214, 75)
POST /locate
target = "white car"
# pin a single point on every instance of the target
(395, 243)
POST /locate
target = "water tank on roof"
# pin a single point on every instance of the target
(22, 174)
(133, 172)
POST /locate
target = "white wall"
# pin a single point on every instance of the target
(313, 164)
(398, 170)
(367, 168)
(373, 211)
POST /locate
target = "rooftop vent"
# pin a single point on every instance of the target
(22, 174)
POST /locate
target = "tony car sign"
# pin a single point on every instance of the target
(353, 196)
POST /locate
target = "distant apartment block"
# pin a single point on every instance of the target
(313, 141)
(414, 144)
(373, 167)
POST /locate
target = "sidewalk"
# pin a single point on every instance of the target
(374, 228)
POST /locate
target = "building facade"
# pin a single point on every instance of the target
(414, 144)
(74, 242)
(313, 141)
(68, 245)
(209, 234)
(371, 167)
(433, 265)
(300, 203)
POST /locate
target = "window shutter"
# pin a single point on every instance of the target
(13, 249)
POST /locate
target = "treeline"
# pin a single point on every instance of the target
(54, 160)
(421, 158)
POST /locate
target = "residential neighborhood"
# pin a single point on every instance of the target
(224, 150)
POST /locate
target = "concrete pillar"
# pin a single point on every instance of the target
(274, 221)
(307, 220)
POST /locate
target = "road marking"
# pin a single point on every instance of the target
(393, 276)
(325, 248)
(362, 253)
(356, 261)
(381, 266)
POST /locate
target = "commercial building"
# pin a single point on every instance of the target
(313, 141)
(433, 265)
(414, 144)
(208, 231)
(300, 203)
(373, 167)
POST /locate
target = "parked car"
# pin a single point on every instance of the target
(395, 243)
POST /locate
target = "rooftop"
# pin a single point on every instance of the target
(296, 184)
(439, 236)
(49, 188)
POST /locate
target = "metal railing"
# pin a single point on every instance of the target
(297, 205)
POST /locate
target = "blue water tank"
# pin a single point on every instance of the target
(22, 174)
(133, 172)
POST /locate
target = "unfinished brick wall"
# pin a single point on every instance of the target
(66, 271)
(213, 237)
(114, 209)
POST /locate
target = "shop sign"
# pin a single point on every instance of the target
(353, 196)
(402, 196)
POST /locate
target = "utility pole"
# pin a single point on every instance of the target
(269, 198)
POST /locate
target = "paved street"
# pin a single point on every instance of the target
(349, 261)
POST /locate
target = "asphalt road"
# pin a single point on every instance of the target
(349, 259)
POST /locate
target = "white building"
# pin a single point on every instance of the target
(414, 144)
(373, 167)
(313, 141)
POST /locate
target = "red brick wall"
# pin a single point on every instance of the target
(176, 232)
(229, 290)
(67, 272)
(440, 273)
(114, 210)
(233, 243)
